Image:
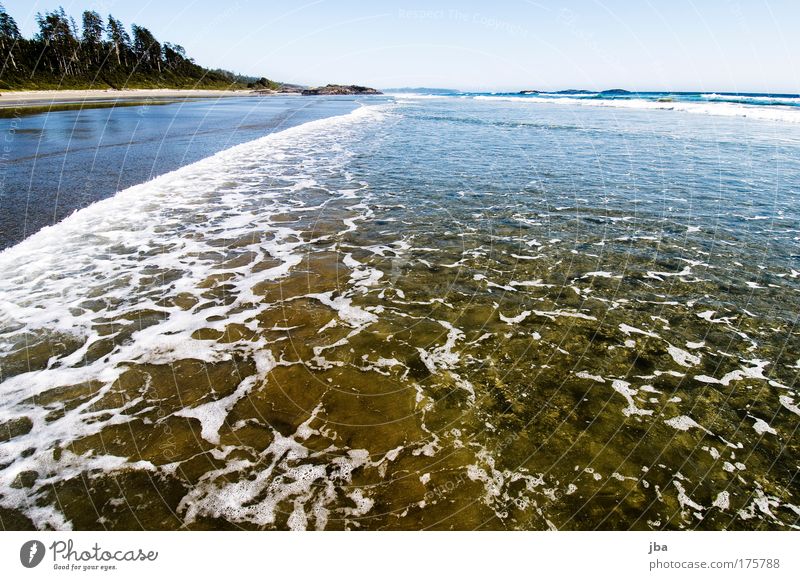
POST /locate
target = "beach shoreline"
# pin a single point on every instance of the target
(59, 97)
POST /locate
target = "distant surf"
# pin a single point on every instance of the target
(763, 106)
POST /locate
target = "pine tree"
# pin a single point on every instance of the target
(100, 52)
(146, 48)
(119, 39)
(9, 36)
(58, 33)
(92, 39)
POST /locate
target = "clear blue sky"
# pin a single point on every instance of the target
(734, 45)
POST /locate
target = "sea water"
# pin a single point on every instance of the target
(56, 161)
(460, 312)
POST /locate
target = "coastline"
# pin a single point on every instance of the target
(59, 97)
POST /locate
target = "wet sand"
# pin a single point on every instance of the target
(39, 98)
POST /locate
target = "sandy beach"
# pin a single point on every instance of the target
(34, 98)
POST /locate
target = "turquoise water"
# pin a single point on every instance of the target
(434, 312)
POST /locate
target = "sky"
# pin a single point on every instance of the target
(704, 45)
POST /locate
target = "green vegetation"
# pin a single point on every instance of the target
(265, 84)
(101, 55)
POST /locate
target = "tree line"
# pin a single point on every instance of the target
(99, 54)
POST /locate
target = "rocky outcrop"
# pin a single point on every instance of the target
(279, 89)
(341, 90)
(289, 88)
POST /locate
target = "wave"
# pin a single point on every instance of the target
(723, 109)
(134, 195)
(788, 101)
(131, 280)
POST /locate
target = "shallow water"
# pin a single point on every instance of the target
(54, 162)
(438, 314)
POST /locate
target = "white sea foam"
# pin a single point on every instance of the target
(286, 471)
(684, 423)
(213, 414)
(628, 330)
(515, 319)
(752, 99)
(623, 388)
(683, 358)
(789, 403)
(588, 375)
(762, 427)
(120, 262)
(684, 500)
(754, 372)
(766, 113)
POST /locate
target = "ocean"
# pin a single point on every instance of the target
(419, 311)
